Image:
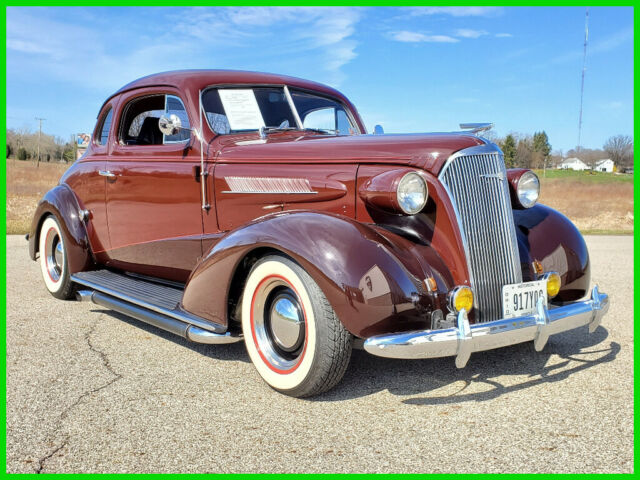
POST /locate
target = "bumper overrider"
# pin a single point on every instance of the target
(465, 339)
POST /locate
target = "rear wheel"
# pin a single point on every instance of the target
(292, 334)
(53, 260)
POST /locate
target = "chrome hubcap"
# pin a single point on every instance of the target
(54, 255)
(279, 324)
(286, 322)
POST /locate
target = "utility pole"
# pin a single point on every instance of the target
(39, 135)
(584, 68)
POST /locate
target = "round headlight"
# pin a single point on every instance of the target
(412, 193)
(528, 189)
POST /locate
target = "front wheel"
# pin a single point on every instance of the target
(53, 260)
(293, 336)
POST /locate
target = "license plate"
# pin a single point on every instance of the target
(521, 299)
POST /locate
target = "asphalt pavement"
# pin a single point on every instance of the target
(89, 390)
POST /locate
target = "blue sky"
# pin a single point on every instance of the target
(409, 69)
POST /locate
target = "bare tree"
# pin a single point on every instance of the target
(620, 150)
(524, 152)
(51, 147)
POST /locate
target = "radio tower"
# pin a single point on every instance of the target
(584, 68)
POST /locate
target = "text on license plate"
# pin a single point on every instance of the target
(522, 298)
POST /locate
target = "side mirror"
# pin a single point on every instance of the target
(170, 124)
(378, 130)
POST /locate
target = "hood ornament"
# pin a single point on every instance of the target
(476, 127)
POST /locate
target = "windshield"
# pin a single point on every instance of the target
(242, 109)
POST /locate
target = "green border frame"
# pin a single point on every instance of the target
(363, 3)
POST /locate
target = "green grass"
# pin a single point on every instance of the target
(584, 177)
(606, 232)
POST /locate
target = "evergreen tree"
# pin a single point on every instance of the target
(509, 150)
(541, 146)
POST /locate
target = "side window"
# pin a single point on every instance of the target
(343, 125)
(329, 119)
(104, 128)
(322, 113)
(322, 119)
(141, 118)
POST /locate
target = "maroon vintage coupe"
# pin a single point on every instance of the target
(222, 205)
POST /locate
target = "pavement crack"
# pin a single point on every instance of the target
(65, 413)
(42, 460)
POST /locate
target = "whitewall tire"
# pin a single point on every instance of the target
(53, 259)
(294, 339)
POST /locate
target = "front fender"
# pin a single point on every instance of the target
(61, 202)
(372, 278)
(549, 237)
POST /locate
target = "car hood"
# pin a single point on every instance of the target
(424, 150)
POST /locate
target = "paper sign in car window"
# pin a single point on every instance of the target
(242, 109)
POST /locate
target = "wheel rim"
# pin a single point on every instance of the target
(278, 324)
(54, 254)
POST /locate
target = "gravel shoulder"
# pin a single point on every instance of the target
(89, 390)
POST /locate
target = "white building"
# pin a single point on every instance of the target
(573, 164)
(605, 165)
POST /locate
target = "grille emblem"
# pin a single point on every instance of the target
(499, 175)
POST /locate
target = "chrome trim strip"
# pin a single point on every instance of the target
(180, 315)
(268, 193)
(293, 108)
(269, 185)
(464, 339)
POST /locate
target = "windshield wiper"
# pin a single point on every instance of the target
(322, 130)
(264, 131)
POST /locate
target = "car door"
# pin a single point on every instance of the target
(152, 192)
(256, 175)
(88, 183)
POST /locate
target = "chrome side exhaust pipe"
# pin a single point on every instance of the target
(84, 295)
(169, 324)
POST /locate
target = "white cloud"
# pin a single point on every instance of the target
(612, 105)
(458, 11)
(611, 42)
(416, 37)
(319, 31)
(468, 33)
(503, 35)
(220, 37)
(597, 46)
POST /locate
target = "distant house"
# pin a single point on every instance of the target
(573, 164)
(605, 165)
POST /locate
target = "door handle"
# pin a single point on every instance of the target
(108, 174)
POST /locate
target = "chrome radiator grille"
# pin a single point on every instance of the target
(477, 185)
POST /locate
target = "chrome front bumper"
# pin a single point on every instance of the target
(466, 339)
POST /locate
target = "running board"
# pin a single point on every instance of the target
(153, 303)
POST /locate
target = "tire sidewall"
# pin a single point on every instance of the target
(294, 378)
(54, 287)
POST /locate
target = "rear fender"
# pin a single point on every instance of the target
(547, 236)
(372, 278)
(61, 202)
